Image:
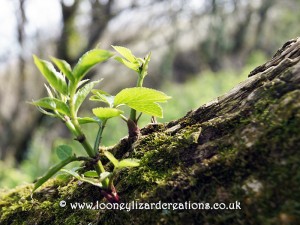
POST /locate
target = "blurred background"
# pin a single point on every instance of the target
(200, 50)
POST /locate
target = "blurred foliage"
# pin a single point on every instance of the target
(185, 96)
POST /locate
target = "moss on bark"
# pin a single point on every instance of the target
(243, 147)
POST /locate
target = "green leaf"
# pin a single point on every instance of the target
(82, 82)
(102, 96)
(63, 152)
(84, 120)
(50, 94)
(144, 72)
(64, 67)
(73, 173)
(54, 78)
(142, 99)
(94, 174)
(91, 173)
(106, 113)
(53, 170)
(111, 158)
(104, 175)
(82, 93)
(95, 182)
(53, 104)
(45, 112)
(128, 163)
(130, 65)
(126, 53)
(88, 60)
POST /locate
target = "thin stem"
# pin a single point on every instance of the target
(124, 118)
(79, 136)
(99, 136)
(139, 83)
(53, 170)
(139, 117)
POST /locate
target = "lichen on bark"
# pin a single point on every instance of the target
(243, 146)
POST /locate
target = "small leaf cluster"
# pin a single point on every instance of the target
(67, 89)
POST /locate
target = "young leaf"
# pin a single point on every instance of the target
(88, 60)
(50, 94)
(126, 53)
(54, 78)
(102, 96)
(95, 182)
(45, 112)
(106, 113)
(53, 104)
(130, 65)
(142, 99)
(111, 158)
(82, 93)
(144, 71)
(63, 152)
(91, 173)
(128, 163)
(64, 67)
(53, 170)
(104, 175)
(94, 174)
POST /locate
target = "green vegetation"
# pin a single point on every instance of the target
(68, 89)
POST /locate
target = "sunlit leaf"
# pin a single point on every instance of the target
(130, 65)
(82, 93)
(63, 152)
(111, 158)
(102, 96)
(64, 67)
(142, 99)
(53, 104)
(145, 65)
(126, 53)
(106, 113)
(128, 163)
(54, 78)
(88, 60)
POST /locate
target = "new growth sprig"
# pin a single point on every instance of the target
(67, 89)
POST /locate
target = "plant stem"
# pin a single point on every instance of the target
(139, 83)
(99, 136)
(73, 124)
(53, 170)
(79, 136)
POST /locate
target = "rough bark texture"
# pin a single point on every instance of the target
(244, 146)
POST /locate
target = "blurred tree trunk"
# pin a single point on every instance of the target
(17, 131)
(11, 134)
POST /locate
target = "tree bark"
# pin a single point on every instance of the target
(241, 148)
